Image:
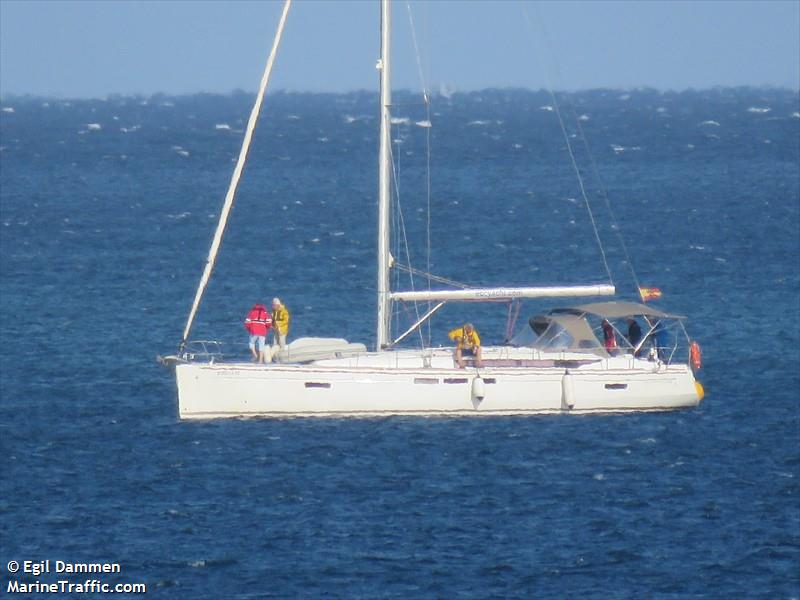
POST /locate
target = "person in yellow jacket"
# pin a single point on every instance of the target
(467, 344)
(280, 326)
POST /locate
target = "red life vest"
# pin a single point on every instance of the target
(258, 321)
(610, 338)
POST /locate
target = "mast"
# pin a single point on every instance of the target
(384, 178)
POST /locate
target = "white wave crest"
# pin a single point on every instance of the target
(351, 119)
(619, 149)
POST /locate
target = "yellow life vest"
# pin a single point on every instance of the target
(280, 319)
(463, 339)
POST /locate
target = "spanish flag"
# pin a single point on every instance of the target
(649, 293)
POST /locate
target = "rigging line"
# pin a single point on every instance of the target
(417, 53)
(581, 185)
(616, 226)
(603, 192)
(514, 308)
(428, 220)
(426, 99)
(237, 173)
(394, 251)
(397, 211)
(410, 269)
(403, 229)
(569, 150)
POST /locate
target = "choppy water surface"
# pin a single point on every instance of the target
(107, 209)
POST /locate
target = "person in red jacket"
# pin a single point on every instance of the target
(609, 338)
(258, 322)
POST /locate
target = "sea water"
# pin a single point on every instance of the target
(107, 209)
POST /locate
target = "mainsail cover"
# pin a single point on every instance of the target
(505, 293)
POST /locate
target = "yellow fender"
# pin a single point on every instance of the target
(700, 391)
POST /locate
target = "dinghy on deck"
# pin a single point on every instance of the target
(308, 349)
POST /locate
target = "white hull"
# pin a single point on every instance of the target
(380, 384)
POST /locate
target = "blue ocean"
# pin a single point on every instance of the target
(107, 209)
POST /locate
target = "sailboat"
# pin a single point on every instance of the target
(557, 364)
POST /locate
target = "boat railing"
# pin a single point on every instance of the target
(206, 351)
(661, 354)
